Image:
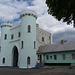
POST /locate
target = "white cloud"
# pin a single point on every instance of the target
(51, 23)
(4, 0)
(39, 6)
(59, 30)
(11, 10)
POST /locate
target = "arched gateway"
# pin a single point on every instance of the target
(15, 56)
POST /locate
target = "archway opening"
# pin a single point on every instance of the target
(15, 56)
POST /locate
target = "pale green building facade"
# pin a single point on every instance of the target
(58, 54)
(20, 42)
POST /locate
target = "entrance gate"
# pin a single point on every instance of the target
(15, 56)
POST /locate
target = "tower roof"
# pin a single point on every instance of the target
(28, 12)
(6, 24)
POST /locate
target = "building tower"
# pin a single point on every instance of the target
(5, 46)
(28, 57)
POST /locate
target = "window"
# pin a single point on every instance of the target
(34, 44)
(3, 60)
(5, 36)
(38, 57)
(12, 36)
(29, 14)
(22, 43)
(28, 61)
(0, 48)
(55, 57)
(73, 56)
(50, 57)
(19, 34)
(49, 38)
(63, 56)
(42, 39)
(29, 28)
(47, 57)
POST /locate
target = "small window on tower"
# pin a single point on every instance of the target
(12, 36)
(19, 34)
(34, 44)
(3, 60)
(22, 43)
(5, 36)
(0, 48)
(29, 28)
(28, 61)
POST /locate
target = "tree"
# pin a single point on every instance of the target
(62, 9)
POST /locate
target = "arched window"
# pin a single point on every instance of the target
(19, 34)
(28, 61)
(42, 39)
(22, 43)
(3, 60)
(34, 44)
(12, 36)
(5, 36)
(49, 38)
(29, 28)
(0, 48)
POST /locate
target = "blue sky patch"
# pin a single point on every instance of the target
(29, 2)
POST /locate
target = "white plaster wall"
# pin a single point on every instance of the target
(42, 33)
(28, 39)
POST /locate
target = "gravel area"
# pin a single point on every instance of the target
(41, 71)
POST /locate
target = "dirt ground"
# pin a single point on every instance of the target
(42, 71)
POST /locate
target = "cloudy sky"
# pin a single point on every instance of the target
(10, 12)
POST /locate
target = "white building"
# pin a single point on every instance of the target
(19, 43)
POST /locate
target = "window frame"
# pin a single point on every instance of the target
(34, 44)
(22, 44)
(73, 55)
(29, 29)
(63, 56)
(5, 36)
(49, 37)
(28, 60)
(47, 57)
(55, 57)
(50, 57)
(0, 48)
(19, 34)
(43, 39)
(3, 60)
(12, 36)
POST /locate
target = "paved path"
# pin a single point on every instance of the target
(43, 71)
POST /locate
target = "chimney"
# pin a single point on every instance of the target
(61, 41)
(37, 25)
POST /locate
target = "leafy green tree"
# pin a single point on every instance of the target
(62, 9)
